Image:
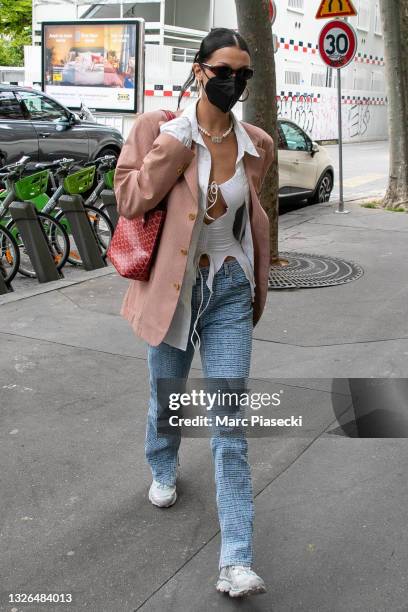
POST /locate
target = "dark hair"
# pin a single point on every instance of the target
(217, 38)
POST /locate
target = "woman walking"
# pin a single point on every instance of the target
(209, 281)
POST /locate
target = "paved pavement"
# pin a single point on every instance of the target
(330, 528)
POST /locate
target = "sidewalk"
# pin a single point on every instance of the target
(330, 510)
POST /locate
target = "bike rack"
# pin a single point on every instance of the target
(109, 202)
(84, 236)
(35, 241)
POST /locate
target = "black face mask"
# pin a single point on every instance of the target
(224, 93)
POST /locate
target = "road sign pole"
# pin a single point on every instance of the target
(340, 208)
(337, 48)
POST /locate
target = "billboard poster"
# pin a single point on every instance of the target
(95, 62)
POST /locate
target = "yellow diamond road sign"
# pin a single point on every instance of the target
(336, 8)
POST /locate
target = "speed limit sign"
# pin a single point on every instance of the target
(337, 43)
(272, 11)
(337, 48)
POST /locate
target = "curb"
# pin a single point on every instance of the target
(55, 285)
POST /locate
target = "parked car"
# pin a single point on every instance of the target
(305, 168)
(35, 124)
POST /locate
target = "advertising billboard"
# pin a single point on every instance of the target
(97, 62)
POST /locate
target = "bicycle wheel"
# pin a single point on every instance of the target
(102, 228)
(57, 239)
(9, 255)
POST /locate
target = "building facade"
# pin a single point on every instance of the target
(306, 88)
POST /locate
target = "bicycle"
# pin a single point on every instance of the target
(105, 168)
(74, 184)
(24, 189)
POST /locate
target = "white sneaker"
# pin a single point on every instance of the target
(162, 495)
(239, 580)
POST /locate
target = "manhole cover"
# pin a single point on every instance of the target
(306, 271)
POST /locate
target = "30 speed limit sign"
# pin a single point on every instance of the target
(337, 43)
(272, 11)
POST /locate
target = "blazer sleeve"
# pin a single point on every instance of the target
(148, 167)
(269, 158)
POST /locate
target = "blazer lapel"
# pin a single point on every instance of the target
(191, 174)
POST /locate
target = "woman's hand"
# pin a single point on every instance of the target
(149, 166)
(180, 128)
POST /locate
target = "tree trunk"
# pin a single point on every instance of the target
(261, 108)
(394, 14)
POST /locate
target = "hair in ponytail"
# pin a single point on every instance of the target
(217, 38)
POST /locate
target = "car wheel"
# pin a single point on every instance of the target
(323, 190)
(109, 151)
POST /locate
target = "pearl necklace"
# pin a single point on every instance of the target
(216, 139)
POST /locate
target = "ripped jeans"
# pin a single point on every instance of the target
(225, 329)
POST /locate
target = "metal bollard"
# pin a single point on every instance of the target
(109, 202)
(4, 288)
(82, 232)
(35, 242)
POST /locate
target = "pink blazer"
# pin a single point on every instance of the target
(153, 164)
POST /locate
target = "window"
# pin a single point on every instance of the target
(318, 79)
(378, 22)
(359, 79)
(181, 54)
(292, 78)
(297, 5)
(363, 17)
(329, 77)
(296, 139)
(281, 138)
(377, 81)
(40, 107)
(9, 106)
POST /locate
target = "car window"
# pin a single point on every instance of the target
(9, 106)
(281, 138)
(295, 138)
(40, 107)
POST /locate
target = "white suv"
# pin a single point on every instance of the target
(305, 168)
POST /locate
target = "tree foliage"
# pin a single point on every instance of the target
(15, 30)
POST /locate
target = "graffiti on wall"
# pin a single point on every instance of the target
(364, 116)
(326, 128)
(300, 110)
(363, 119)
(358, 120)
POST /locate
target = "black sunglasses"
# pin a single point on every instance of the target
(225, 71)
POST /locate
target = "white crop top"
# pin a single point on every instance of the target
(217, 240)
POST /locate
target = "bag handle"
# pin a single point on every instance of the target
(161, 205)
(169, 114)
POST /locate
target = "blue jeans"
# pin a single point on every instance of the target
(225, 330)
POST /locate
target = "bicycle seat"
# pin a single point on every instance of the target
(44, 165)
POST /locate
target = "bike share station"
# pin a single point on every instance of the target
(63, 211)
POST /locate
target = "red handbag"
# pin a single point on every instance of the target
(134, 243)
